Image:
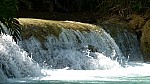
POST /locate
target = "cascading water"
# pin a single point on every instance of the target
(73, 57)
(126, 40)
(76, 50)
(14, 61)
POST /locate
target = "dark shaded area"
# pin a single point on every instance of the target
(139, 35)
(86, 17)
(89, 11)
(56, 10)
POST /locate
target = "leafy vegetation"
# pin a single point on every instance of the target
(120, 7)
(8, 11)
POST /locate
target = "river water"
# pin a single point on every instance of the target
(137, 73)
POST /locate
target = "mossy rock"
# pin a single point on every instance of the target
(40, 29)
(145, 41)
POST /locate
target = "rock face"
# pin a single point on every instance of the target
(145, 40)
(141, 26)
(137, 22)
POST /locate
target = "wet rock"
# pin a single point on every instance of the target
(145, 40)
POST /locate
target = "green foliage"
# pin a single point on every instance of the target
(8, 8)
(120, 7)
(8, 11)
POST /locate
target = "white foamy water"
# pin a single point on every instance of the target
(104, 75)
(14, 61)
(136, 73)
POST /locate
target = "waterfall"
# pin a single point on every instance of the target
(126, 40)
(75, 49)
(87, 47)
(14, 61)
